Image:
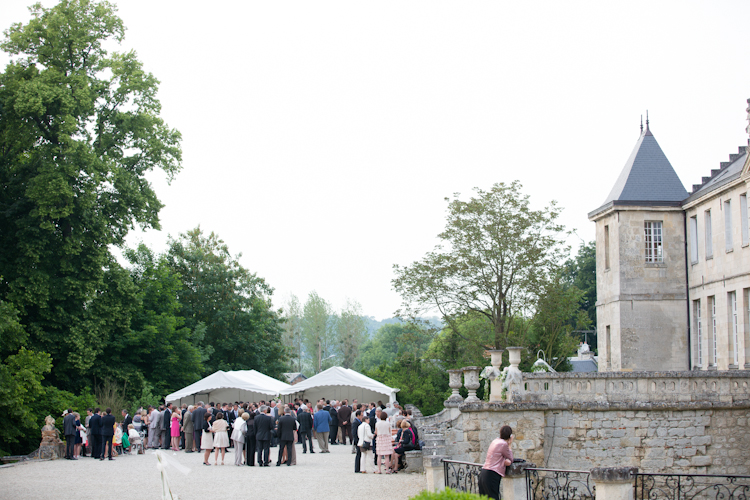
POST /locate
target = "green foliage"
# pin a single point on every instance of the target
(580, 271)
(79, 129)
(317, 330)
(447, 494)
(496, 254)
(351, 331)
(292, 337)
(392, 340)
(228, 305)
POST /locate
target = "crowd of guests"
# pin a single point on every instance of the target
(379, 434)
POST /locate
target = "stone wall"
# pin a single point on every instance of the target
(664, 428)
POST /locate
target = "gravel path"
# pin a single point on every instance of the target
(315, 477)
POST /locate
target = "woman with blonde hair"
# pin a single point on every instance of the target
(238, 436)
(364, 441)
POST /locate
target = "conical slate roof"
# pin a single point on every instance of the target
(647, 176)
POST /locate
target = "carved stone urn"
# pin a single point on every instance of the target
(471, 381)
(454, 382)
(514, 377)
(496, 383)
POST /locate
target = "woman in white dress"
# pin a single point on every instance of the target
(238, 436)
(221, 438)
(207, 439)
(364, 438)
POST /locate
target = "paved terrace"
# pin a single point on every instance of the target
(315, 477)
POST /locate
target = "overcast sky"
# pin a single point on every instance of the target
(321, 138)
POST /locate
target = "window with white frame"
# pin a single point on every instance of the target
(734, 327)
(694, 239)
(698, 328)
(654, 241)
(744, 221)
(712, 342)
(709, 235)
(728, 225)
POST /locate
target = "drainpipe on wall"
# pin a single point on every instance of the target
(687, 289)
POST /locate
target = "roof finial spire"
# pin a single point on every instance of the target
(641, 124)
(646, 119)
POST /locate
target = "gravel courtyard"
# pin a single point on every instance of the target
(315, 477)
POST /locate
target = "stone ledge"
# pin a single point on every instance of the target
(613, 474)
(518, 469)
(635, 375)
(605, 406)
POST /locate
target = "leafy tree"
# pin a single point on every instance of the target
(496, 254)
(317, 335)
(580, 271)
(351, 331)
(558, 314)
(79, 129)
(21, 374)
(226, 304)
(292, 337)
(392, 340)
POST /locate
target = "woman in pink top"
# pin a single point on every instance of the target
(498, 457)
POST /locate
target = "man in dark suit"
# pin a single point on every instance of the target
(166, 425)
(108, 431)
(199, 415)
(96, 433)
(285, 430)
(126, 421)
(69, 429)
(250, 439)
(333, 435)
(355, 427)
(345, 423)
(305, 429)
(263, 426)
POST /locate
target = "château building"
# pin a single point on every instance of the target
(672, 267)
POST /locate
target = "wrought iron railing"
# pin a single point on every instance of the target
(691, 487)
(462, 476)
(555, 484)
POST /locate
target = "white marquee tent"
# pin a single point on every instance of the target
(221, 386)
(341, 383)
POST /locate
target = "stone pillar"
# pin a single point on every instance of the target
(513, 376)
(496, 386)
(514, 482)
(471, 381)
(434, 472)
(614, 483)
(454, 382)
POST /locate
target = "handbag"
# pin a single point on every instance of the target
(365, 446)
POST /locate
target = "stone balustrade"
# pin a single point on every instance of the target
(700, 388)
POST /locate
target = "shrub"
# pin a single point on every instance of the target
(447, 494)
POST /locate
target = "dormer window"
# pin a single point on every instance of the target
(653, 239)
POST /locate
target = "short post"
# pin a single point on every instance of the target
(514, 482)
(434, 472)
(614, 483)
(471, 382)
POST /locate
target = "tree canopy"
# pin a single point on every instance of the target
(496, 254)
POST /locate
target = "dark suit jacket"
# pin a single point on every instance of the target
(286, 427)
(263, 426)
(95, 424)
(108, 425)
(305, 421)
(69, 424)
(355, 426)
(198, 418)
(166, 422)
(345, 415)
(126, 422)
(334, 417)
